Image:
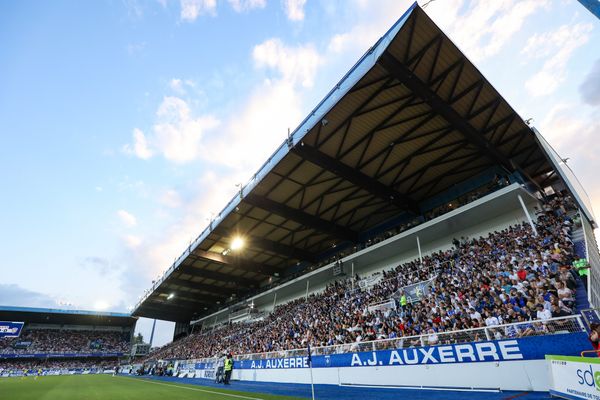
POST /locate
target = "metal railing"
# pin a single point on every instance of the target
(398, 276)
(382, 306)
(561, 325)
(369, 281)
(554, 326)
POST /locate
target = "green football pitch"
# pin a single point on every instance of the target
(107, 387)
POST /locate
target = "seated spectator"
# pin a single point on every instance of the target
(594, 336)
(565, 294)
(543, 313)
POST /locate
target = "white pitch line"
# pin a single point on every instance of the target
(191, 388)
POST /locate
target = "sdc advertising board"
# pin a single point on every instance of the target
(574, 377)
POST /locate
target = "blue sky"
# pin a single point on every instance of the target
(126, 124)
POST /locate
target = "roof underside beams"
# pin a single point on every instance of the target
(183, 300)
(217, 276)
(213, 289)
(408, 78)
(234, 262)
(356, 177)
(302, 217)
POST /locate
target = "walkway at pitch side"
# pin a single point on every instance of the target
(334, 392)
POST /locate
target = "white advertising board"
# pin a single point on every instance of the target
(574, 377)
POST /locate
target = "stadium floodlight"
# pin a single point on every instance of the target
(101, 305)
(170, 296)
(237, 243)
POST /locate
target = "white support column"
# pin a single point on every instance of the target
(487, 334)
(535, 233)
(274, 301)
(587, 257)
(352, 275)
(419, 247)
(152, 333)
(307, 283)
(580, 322)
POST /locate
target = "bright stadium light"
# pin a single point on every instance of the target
(101, 305)
(170, 296)
(237, 243)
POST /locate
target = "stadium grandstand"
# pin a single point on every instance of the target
(67, 341)
(413, 232)
(412, 208)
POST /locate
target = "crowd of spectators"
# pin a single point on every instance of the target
(496, 183)
(46, 364)
(512, 275)
(65, 341)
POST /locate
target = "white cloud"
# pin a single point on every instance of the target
(590, 87)
(273, 107)
(177, 133)
(372, 18)
(295, 64)
(177, 85)
(566, 121)
(132, 241)
(557, 47)
(15, 295)
(171, 199)
(134, 9)
(192, 9)
(246, 5)
(127, 218)
(140, 147)
(134, 49)
(97, 264)
(157, 252)
(481, 28)
(573, 134)
(257, 126)
(180, 86)
(294, 9)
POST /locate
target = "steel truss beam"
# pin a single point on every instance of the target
(356, 177)
(301, 217)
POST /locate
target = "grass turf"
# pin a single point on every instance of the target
(107, 387)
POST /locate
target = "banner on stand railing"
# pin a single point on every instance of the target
(416, 291)
(529, 348)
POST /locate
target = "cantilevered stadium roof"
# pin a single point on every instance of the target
(410, 120)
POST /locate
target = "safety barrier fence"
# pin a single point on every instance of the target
(553, 326)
